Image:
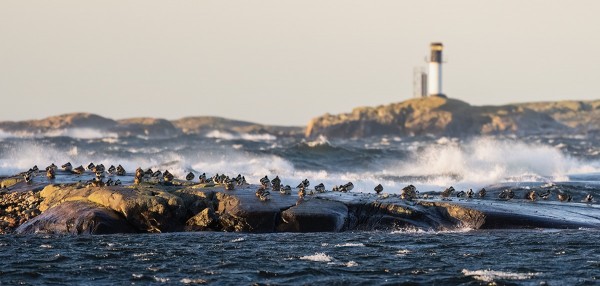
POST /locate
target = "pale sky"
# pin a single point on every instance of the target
(285, 62)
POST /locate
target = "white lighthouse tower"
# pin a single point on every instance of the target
(434, 78)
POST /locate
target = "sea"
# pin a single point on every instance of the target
(394, 257)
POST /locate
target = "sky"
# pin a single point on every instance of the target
(284, 62)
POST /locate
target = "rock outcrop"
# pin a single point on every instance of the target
(149, 127)
(76, 208)
(434, 115)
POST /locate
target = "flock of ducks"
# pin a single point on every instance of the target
(407, 193)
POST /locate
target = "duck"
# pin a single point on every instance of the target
(91, 166)
(286, 190)
(482, 193)
(202, 178)
(229, 186)
(79, 170)
(470, 193)
(50, 174)
(190, 176)
(378, 189)
(545, 195)
(564, 197)
(408, 193)
(51, 166)
(111, 170)
(120, 171)
(67, 167)
(156, 174)
(168, 177)
(448, 192)
(320, 188)
(461, 194)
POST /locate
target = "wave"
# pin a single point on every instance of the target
(482, 161)
(216, 134)
(77, 133)
(491, 275)
(317, 257)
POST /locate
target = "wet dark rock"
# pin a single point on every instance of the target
(77, 217)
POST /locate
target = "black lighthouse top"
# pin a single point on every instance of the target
(436, 52)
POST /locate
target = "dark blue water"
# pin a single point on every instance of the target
(358, 258)
(364, 258)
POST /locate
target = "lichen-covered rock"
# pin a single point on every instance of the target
(77, 217)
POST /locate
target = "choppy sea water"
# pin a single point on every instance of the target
(388, 258)
(366, 258)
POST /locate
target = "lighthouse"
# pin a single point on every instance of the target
(434, 78)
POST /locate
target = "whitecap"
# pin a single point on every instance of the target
(350, 245)
(192, 281)
(317, 257)
(491, 275)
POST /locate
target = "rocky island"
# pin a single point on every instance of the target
(70, 204)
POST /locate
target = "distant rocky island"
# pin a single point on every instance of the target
(436, 116)
(440, 116)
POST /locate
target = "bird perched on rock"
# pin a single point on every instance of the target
(545, 195)
(564, 197)
(156, 174)
(506, 194)
(28, 177)
(448, 192)
(168, 177)
(345, 187)
(265, 182)
(285, 190)
(35, 169)
(260, 190)
(265, 196)
(117, 182)
(482, 193)
(320, 188)
(408, 193)
(202, 178)
(67, 167)
(229, 185)
(51, 166)
(470, 193)
(190, 176)
(531, 195)
(304, 184)
(139, 173)
(99, 168)
(276, 183)
(50, 173)
(378, 189)
(109, 182)
(79, 170)
(120, 171)
(111, 170)
(91, 166)
(148, 172)
(461, 194)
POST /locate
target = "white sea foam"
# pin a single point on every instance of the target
(351, 263)
(240, 239)
(192, 281)
(491, 275)
(350, 245)
(486, 160)
(317, 257)
(245, 136)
